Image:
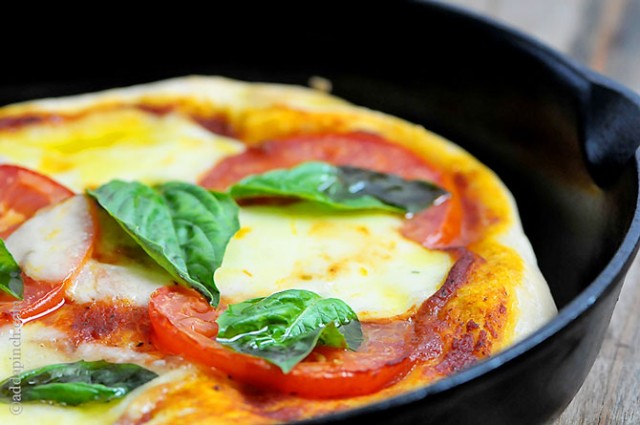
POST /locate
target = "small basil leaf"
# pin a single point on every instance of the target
(284, 327)
(10, 278)
(341, 188)
(75, 383)
(183, 227)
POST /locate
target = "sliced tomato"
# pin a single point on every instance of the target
(357, 149)
(440, 226)
(184, 324)
(39, 298)
(62, 239)
(23, 193)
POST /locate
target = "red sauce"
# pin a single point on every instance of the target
(159, 110)
(13, 123)
(446, 342)
(217, 124)
(112, 323)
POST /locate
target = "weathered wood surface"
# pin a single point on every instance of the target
(605, 35)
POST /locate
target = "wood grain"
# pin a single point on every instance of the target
(605, 35)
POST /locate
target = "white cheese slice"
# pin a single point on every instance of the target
(53, 243)
(126, 281)
(360, 258)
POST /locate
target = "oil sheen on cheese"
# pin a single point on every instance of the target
(127, 144)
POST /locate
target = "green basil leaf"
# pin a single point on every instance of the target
(183, 227)
(347, 188)
(411, 196)
(75, 383)
(284, 327)
(10, 278)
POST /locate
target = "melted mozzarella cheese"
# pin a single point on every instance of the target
(360, 258)
(53, 243)
(123, 143)
(120, 269)
(126, 281)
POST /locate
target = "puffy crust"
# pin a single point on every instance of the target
(219, 91)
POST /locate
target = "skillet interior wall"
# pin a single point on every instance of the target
(419, 62)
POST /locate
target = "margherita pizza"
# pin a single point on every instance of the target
(202, 250)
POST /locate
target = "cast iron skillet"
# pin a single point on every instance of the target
(561, 137)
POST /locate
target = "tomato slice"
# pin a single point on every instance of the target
(22, 193)
(184, 324)
(441, 226)
(357, 149)
(39, 298)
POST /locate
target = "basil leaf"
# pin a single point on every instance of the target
(75, 383)
(183, 227)
(10, 278)
(346, 188)
(408, 195)
(283, 328)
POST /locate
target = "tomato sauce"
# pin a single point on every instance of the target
(449, 346)
(111, 323)
(12, 123)
(216, 123)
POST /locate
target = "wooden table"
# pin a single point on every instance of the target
(605, 35)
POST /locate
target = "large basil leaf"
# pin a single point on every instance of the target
(341, 187)
(183, 227)
(283, 328)
(75, 383)
(10, 279)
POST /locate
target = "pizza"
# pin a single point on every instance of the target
(204, 250)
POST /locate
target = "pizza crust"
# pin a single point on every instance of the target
(220, 91)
